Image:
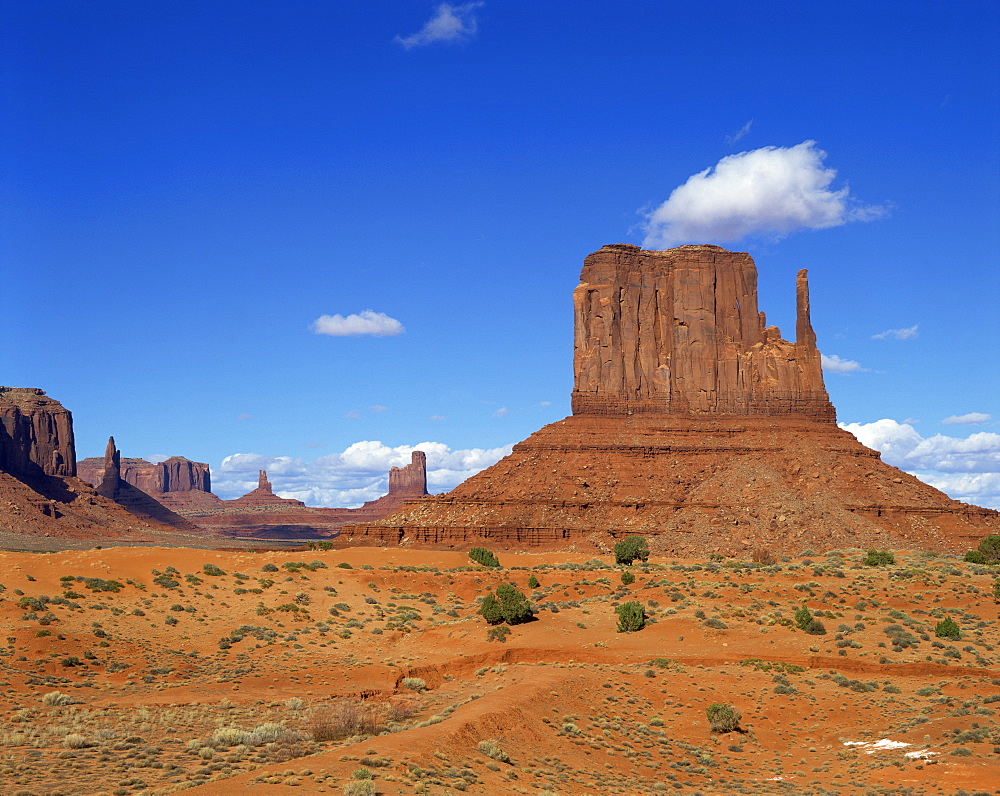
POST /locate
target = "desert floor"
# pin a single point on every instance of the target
(153, 670)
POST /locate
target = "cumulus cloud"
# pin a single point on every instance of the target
(970, 419)
(503, 411)
(450, 23)
(347, 479)
(835, 364)
(366, 322)
(897, 334)
(771, 191)
(965, 468)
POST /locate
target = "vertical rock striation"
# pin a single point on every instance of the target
(36, 434)
(694, 423)
(678, 332)
(411, 480)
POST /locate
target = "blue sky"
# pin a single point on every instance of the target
(188, 188)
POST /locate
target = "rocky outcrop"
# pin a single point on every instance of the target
(40, 496)
(263, 495)
(695, 425)
(260, 513)
(678, 332)
(411, 480)
(36, 434)
(175, 474)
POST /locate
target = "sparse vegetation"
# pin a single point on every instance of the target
(723, 717)
(631, 548)
(988, 551)
(507, 605)
(492, 749)
(879, 558)
(631, 617)
(484, 557)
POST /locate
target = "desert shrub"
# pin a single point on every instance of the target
(717, 624)
(815, 628)
(363, 773)
(212, 569)
(57, 699)
(723, 717)
(269, 568)
(878, 558)
(483, 556)
(534, 584)
(631, 548)
(492, 749)
(988, 551)
(415, 683)
(803, 618)
(265, 733)
(631, 617)
(231, 736)
(348, 717)
(947, 628)
(507, 605)
(627, 578)
(498, 633)
(761, 555)
(359, 787)
(75, 741)
(294, 703)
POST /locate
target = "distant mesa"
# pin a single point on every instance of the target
(40, 495)
(182, 487)
(695, 424)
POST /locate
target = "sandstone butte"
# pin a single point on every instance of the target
(694, 424)
(40, 495)
(183, 490)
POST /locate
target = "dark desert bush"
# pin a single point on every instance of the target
(879, 558)
(631, 548)
(483, 556)
(815, 628)
(627, 578)
(762, 555)
(947, 628)
(631, 617)
(533, 581)
(212, 569)
(498, 633)
(988, 551)
(347, 717)
(723, 717)
(803, 618)
(508, 605)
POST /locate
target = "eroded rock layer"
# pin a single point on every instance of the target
(36, 434)
(679, 332)
(695, 425)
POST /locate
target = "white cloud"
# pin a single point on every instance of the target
(449, 24)
(897, 334)
(244, 416)
(771, 191)
(437, 417)
(347, 479)
(732, 139)
(970, 419)
(966, 468)
(834, 364)
(503, 411)
(353, 414)
(377, 408)
(377, 324)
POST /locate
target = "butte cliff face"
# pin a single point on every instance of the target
(695, 424)
(36, 434)
(679, 332)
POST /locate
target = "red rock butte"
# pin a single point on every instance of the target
(695, 424)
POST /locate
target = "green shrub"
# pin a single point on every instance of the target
(363, 773)
(631, 617)
(212, 569)
(815, 628)
(947, 628)
(269, 568)
(803, 618)
(723, 717)
(988, 551)
(492, 749)
(630, 549)
(498, 633)
(627, 578)
(879, 558)
(483, 556)
(534, 584)
(508, 605)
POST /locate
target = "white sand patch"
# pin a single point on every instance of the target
(920, 754)
(870, 747)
